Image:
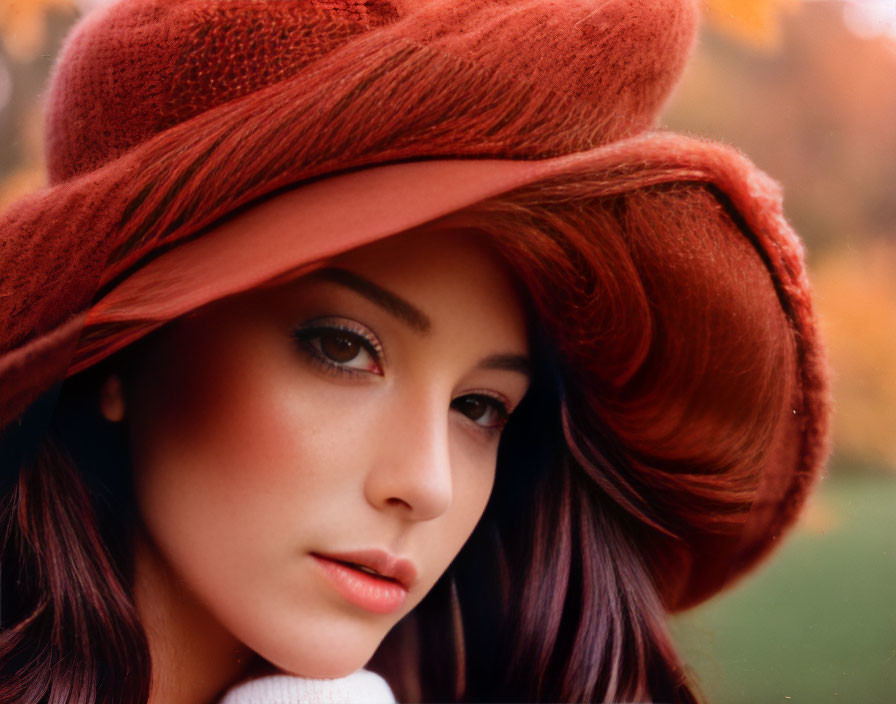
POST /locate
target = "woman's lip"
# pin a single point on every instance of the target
(375, 594)
(380, 561)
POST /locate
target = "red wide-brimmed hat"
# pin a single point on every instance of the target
(370, 118)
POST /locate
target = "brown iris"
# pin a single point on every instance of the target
(473, 407)
(340, 346)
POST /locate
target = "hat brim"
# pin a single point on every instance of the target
(333, 214)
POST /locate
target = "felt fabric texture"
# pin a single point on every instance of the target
(621, 57)
(361, 687)
(154, 106)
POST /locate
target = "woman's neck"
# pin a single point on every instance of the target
(194, 659)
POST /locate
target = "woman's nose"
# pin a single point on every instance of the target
(410, 469)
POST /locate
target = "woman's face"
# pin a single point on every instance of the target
(354, 415)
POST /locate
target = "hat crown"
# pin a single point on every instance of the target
(138, 67)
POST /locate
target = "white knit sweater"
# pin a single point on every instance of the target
(361, 687)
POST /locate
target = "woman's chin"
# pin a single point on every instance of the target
(316, 672)
(322, 666)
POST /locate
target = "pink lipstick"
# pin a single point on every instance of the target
(371, 579)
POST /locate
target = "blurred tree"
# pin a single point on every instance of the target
(23, 25)
(756, 22)
(818, 115)
(27, 174)
(31, 32)
(855, 290)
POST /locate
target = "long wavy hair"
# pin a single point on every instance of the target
(656, 393)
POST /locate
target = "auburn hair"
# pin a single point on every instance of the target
(658, 386)
(658, 391)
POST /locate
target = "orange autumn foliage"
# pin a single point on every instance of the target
(855, 291)
(755, 22)
(23, 25)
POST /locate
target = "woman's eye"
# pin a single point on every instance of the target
(486, 411)
(340, 350)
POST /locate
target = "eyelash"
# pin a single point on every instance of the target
(316, 329)
(308, 333)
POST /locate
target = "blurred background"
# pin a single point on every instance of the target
(806, 88)
(808, 91)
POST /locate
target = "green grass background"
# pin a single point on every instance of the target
(818, 622)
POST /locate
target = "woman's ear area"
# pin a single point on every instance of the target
(111, 398)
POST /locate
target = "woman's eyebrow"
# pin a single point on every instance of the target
(508, 362)
(397, 306)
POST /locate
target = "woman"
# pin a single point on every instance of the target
(389, 332)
